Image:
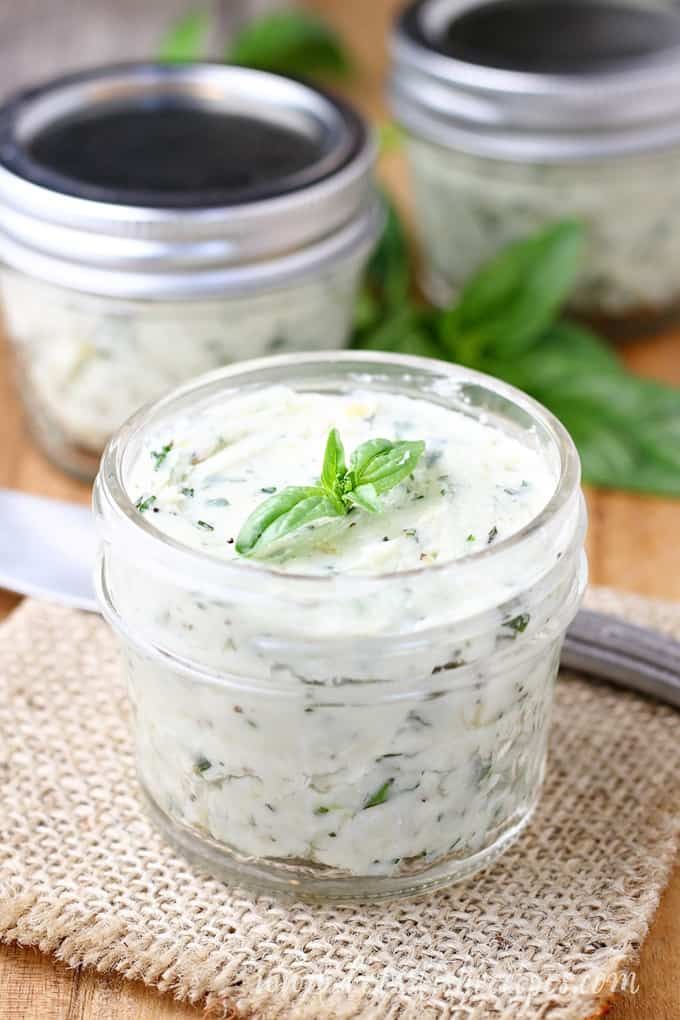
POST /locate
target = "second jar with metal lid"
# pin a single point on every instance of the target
(519, 113)
(158, 221)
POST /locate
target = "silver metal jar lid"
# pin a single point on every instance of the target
(82, 208)
(547, 81)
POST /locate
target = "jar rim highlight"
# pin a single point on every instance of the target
(120, 522)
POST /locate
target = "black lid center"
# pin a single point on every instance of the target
(556, 36)
(170, 154)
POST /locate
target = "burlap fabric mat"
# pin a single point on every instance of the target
(544, 934)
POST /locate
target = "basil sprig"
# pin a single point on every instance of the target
(374, 468)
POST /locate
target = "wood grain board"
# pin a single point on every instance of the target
(633, 544)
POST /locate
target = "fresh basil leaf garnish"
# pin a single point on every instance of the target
(365, 497)
(334, 468)
(282, 513)
(375, 467)
(383, 464)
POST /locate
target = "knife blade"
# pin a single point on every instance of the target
(47, 549)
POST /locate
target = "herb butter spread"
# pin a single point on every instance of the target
(89, 362)
(474, 485)
(368, 702)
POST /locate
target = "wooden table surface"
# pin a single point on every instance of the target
(632, 545)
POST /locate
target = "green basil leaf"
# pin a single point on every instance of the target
(363, 455)
(288, 510)
(513, 298)
(186, 39)
(334, 467)
(291, 42)
(388, 274)
(383, 464)
(613, 455)
(366, 498)
(406, 331)
(626, 429)
(564, 352)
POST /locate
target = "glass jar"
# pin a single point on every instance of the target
(161, 221)
(274, 712)
(519, 115)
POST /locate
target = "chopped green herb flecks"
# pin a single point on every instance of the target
(202, 765)
(205, 525)
(380, 795)
(445, 666)
(518, 623)
(144, 502)
(492, 535)
(188, 492)
(160, 455)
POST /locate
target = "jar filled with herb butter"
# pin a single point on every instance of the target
(360, 709)
(520, 112)
(159, 221)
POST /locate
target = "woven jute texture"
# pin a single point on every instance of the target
(545, 933)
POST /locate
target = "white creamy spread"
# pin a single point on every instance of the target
(87, 363)
(629, 206)
(199, 480)
(315, 730)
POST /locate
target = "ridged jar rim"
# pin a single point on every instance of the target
(351, 242)
(118, 521)
(523, 116)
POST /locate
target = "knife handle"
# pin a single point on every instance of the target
(634, 657)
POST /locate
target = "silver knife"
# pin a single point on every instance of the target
(47, 550)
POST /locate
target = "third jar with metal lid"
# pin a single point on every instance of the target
(520, 112)
(158, 221)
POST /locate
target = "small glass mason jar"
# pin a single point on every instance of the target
(517, 115)
(157, 222)
(272, 711)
